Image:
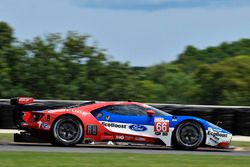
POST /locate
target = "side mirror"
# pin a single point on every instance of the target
(150, 113)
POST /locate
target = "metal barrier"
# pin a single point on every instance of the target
(235, 119)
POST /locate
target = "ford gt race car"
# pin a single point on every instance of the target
(127, 121)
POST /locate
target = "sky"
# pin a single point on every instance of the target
(142, 32)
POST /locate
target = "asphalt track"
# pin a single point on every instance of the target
(83, 148)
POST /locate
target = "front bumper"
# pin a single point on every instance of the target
(217, 137)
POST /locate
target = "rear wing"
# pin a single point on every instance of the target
(21, 100)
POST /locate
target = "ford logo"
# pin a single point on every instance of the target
(138, 128)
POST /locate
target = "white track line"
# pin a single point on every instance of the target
(235, 138)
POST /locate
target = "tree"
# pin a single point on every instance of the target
(192, 57)
(67, 67)
(13, 63)
(6, 35)
(175, 86)
(226, 82)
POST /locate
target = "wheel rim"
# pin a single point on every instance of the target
(190, 135)
(68, 130)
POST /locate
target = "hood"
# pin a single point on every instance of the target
(207, 125)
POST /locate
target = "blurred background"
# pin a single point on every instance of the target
(171, 51)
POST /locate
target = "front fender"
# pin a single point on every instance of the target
(177, 120)
(214, 135)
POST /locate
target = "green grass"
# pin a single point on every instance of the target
(241, 144)
(8, 137)
(24, 159)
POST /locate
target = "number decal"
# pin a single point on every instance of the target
(161, 126)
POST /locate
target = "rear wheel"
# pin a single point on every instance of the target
(67, 131)
(188, 136)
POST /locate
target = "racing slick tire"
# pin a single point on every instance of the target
(188, 136)
(67, 131)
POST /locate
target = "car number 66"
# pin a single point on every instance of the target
(161, 126)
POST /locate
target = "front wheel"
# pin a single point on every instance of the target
(67, 131)
(188, 136)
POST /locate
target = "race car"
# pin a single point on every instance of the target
(117, 122)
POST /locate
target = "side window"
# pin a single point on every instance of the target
(118, 109)
(129, 110)
(136, 110)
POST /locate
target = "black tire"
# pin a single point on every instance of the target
(67, 131)
(188, 136)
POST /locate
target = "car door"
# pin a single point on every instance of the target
(127, 120)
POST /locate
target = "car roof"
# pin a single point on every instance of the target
(99, 104)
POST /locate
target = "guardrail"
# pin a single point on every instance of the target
(235, 119)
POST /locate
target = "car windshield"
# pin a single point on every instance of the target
(157, 111)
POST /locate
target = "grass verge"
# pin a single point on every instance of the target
(34, 159)
(241, 144)
(6, 137)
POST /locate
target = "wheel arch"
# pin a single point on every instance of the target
(67, 114)
(186, 120)
(63, 115)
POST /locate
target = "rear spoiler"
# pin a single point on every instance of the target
(21, 100)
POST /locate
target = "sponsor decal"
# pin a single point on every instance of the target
(107, 118)
(215, 141)
(174, 118)
(91, 129)
(140, 139)
(216, 138)
(161, 125)
(138, 128)
(119, 137)
(129, 138)
(215, 133)
(114, 125)
(79, 112)
(164, 133)
(159, 119)
(157, 133)
(117, 103)
(25, 100)
(45, 125)
(39, 123)
(99, 115)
